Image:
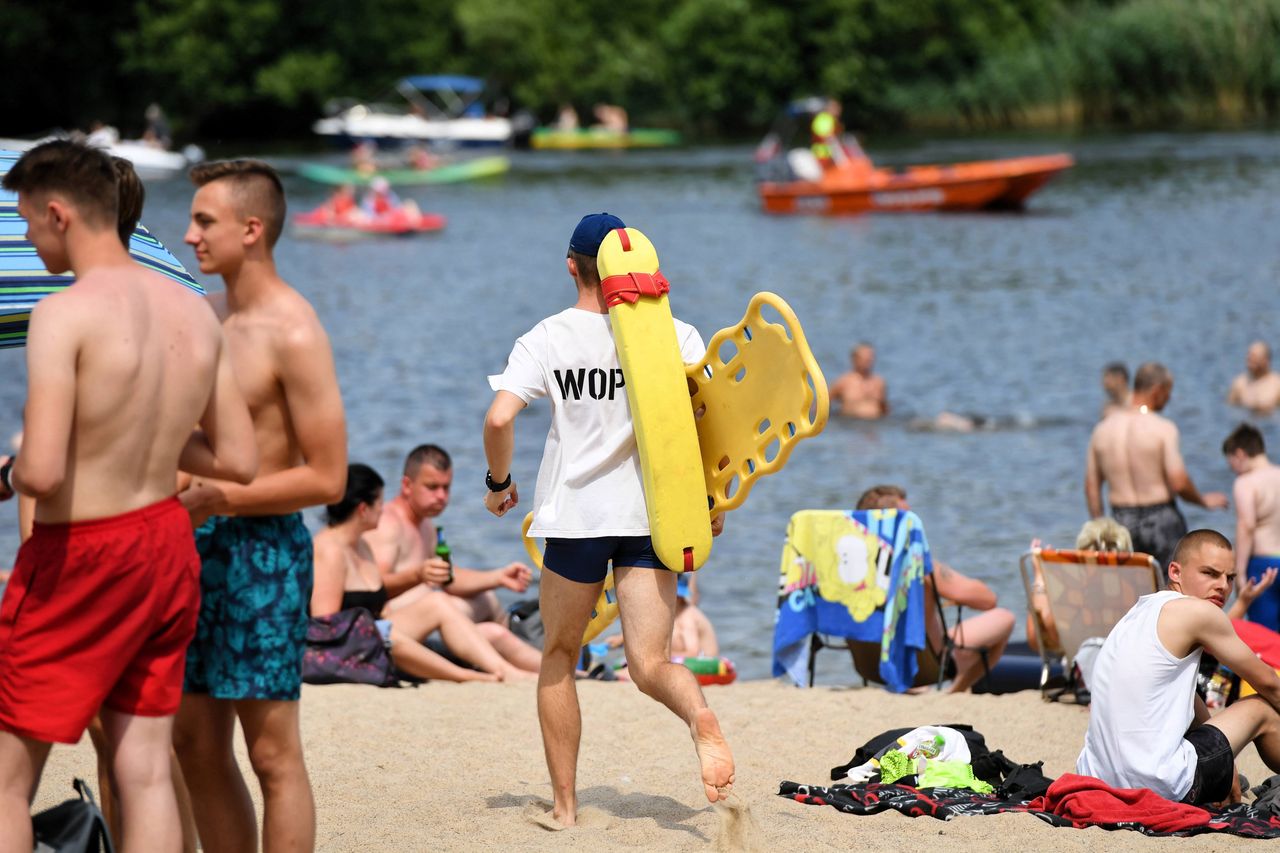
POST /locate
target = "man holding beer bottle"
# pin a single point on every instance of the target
(414, 558)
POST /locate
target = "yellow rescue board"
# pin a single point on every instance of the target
(658, 391)
(758, 390)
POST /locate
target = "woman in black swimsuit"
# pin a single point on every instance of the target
(346, 576)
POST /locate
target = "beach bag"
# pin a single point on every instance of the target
(525, 621)
(74, 826)
(347, 648)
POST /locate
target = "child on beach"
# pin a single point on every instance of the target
(589, 504)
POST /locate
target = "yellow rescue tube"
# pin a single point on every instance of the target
(658, 391)
(606, 609)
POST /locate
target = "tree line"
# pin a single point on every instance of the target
(714, 68)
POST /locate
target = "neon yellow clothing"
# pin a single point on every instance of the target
(823, 129)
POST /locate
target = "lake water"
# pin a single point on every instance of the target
(1163, 247)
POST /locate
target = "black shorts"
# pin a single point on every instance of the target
(1155, 529)
(1215, 765)
(587, 560)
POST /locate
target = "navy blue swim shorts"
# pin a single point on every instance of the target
(587, 560)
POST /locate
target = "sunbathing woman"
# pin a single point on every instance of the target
(346, 576)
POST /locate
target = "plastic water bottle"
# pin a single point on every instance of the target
(444, 552)
(930, 748)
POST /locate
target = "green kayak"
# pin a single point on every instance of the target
(594, 137)
(463, 170)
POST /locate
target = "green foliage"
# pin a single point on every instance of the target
(1139, 63)
(712, 66)
(724, 59)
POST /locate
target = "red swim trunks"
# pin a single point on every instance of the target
(98, 613)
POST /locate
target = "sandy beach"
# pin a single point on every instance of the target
(460, 767)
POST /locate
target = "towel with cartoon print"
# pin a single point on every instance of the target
(858, 575)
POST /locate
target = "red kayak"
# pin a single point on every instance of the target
(399, 222)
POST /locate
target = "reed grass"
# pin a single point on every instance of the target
(1143, 63)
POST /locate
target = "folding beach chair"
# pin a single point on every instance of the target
(935, 662)
(1074, 595)
(856, 581)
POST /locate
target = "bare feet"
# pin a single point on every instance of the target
(713, 755)
(475, 675)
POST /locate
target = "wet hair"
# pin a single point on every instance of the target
(426, 454)
(132, 195)
(255, 187)
(881, 497)
(1246, 437)
(364, 486)
(1151, 375)
(1117, 368)
(588, 270)
(1104, 534)
(81, 174)
(1188, 545)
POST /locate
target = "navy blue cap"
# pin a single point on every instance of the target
(591, 232)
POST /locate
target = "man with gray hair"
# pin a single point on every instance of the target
(1134, 450)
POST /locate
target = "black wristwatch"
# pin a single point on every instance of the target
(497, 487)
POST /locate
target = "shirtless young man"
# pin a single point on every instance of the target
(1147, 726)
(980, 639)
(404, 547)
(589, 503)
(1258, 388)
(860, 393)
(1135, 452)
(246, 659)
(1257, 499)
(103, 600)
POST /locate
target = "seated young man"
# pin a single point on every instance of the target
(1147, 726)
(981, 639)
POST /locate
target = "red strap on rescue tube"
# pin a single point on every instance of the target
(624, 239)
(629, 287)
(688, 559)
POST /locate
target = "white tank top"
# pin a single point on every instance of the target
(1142, 706)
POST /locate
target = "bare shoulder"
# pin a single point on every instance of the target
(298, 326)
(1164, 426)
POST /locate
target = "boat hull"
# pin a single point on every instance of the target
(466, 170)
(319, 224)
(547, 138)
(391, 130)
(985, 185)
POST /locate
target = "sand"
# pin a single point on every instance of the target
(460, 767)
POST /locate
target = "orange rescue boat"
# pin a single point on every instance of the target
(854, 186)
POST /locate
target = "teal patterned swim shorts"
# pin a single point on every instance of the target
(255, 594)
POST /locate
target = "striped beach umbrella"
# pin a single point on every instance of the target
(24, 280)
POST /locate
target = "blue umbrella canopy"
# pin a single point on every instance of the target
(24, 280)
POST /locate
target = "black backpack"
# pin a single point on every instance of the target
(74, 826)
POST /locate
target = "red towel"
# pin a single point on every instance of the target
(1086, 801)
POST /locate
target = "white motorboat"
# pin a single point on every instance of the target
(148, 160)
(437, 109)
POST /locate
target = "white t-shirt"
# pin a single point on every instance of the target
(1141, 705)
(589, 483)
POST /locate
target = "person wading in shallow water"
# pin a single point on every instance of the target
(1134, 452)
